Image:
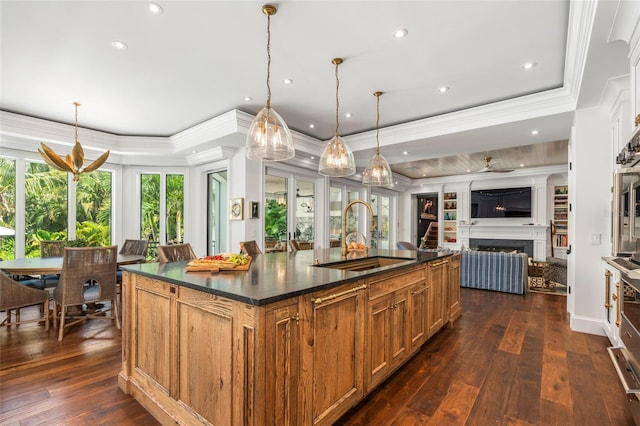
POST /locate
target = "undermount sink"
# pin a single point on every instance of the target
(363, 264)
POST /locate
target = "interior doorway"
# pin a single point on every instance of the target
(427, 220)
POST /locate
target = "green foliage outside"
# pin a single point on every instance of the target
(46, 207)
(275, 220)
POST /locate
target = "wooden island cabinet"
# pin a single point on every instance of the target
(260, 348)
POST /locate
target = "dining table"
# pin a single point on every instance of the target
(52, 265)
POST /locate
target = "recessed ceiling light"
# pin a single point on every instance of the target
(529, 65)
(154, 8)
(400, 33)
(405, 153)
(521, 164)
(120, 45)
(534, 132)
(193, 151)
(348, 115)
(312, 126)
(424, 175)
(468, 171)
(312, 157)
(287, 81)
(248, 98)
(444, 89)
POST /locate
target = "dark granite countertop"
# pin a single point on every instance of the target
(278, 276)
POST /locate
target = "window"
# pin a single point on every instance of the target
(7, 208)
(161, 207)
(93, 208)
(46, 197)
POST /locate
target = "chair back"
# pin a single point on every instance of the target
(175, 253)
(52, 248)
(250, 248)
(294, 245)
(81, 265)
(138, 247)
(14, 295)
(406, 245)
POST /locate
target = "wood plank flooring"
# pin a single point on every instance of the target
(509, 360)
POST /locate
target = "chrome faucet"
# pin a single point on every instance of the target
(372, 225)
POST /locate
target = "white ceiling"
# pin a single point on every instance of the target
(200, 59)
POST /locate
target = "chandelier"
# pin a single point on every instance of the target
(378, 173)
(269, 137)
(73, 162)
(337, 159)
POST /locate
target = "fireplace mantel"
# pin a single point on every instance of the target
(536, 233)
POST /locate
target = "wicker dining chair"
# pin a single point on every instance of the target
(88, 277)
(138, 247)
(293, 244)
(51, 248)
(250, 248)
(175, 253)
(15, 296)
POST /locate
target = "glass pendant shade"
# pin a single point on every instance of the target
(337, 159)
(269, 137)
(378, 172)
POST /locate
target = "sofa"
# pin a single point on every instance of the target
(497, 271)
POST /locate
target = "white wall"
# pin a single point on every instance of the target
(590, 195)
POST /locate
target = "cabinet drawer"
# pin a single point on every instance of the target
(388, 283)
(155, 286)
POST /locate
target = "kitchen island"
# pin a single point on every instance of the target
(299, 338)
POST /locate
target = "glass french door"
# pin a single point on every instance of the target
(289, 211)
(217, 212)
(380, 205)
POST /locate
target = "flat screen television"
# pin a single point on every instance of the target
(502, 202)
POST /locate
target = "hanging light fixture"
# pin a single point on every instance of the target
(72, 163)
(378, 173)
(337, 159)
(269, 137)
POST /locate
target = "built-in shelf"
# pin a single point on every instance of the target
(560, 236)
(450, 218)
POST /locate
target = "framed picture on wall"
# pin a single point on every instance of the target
(254, 212)
(236, 209)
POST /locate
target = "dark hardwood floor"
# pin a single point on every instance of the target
(510, 360)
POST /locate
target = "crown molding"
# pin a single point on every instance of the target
(581, 18)
(536, 105)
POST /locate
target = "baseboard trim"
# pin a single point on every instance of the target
(587, 325)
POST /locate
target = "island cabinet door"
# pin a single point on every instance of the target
(453, 288)
(207, 353)
(282, 365)
(437, 294)
(333, 325)
(418, 309)
(378, 349)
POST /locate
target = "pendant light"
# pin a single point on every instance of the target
(378, 173)
(269, 137)
(73, 162)
(337, 159)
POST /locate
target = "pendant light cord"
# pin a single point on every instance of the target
(337, 100)
(268, 61)
(377, 124)
(76, 129)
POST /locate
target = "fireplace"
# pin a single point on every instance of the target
(488, 244)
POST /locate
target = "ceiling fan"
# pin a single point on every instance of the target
(488, 167)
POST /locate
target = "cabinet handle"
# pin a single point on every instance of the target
(296, 318)
(413, 293)
(319, 300)
(617, 299)
(607, 289)
(444, 262)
